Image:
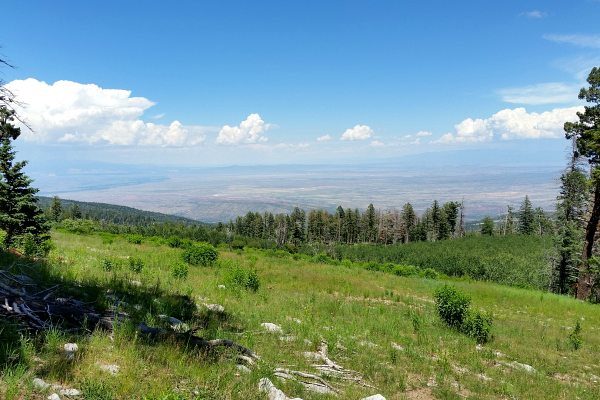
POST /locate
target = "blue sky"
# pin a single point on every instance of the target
(218, 83)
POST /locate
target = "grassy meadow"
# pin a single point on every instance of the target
(384, 327)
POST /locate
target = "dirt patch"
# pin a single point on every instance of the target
(420, 394)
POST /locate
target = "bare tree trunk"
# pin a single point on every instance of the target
(585, 280)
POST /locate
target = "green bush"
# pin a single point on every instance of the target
(405, 270)
(33, 246)
(575, 340)
(429, 273)
(201, 254)
(108, 265)
(478, 325)
(452, 305)
(175, 242)
(136, 265)
(135, 239)
(180, 270)
(237, 244)
(242, 278)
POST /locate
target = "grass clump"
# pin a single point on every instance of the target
(242, 278)
(203, 254)
(453, 307)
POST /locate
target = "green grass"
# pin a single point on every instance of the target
(359, 312)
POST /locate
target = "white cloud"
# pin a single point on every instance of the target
(324, 138)
(248, 131)
(423, 134)
(591, 41)
(359, 132)
(68, 111)
(534, 14)
(512, 124)
(542, 93)
(377, 143)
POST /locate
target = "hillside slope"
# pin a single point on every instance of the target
(381, 326)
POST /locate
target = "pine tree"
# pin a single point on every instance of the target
(409, 220)
(19, 211)
(55, 209)
(370, 224)
(487, 226)
(526, 218)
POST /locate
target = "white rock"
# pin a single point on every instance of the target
(366, 343)
(54, 396)
(110, 368)
(287, 338)
(374, 397)
(221, 287)
(135, 283)
(270, 327)
(70, 350)
(243, 368)
(40, 384)
(396, 346)
(518, 365)
(484, 377)
(217, 308)
(70, 392)
(266, 386)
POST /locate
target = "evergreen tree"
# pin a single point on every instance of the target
(370, 224)
(487, 226)
(56, 209)
(409, 220)
(526, 218)
(586, 135)
(19, 211)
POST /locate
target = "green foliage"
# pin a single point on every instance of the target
(202, 254)
(108, 264)
(32, 246)
(180, 270)
(478, 325)
(453, 308)
(487, 226)
(405, 270)
(19, 211)
(10, 344)
(429, 273)
(526, 218)
(79, 226)
(241, 278)
(136, 264)
(97, 390)
(237, 244)
(135, 239)
(575, 340)
(452, 305)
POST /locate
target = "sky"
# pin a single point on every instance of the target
(193, 83)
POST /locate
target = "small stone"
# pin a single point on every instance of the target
(287, 338)
(40, 384)
(524, 367)
(70, 350)
(484, 377)
(70, 392)
(243, 368)
(270, 327)
(221, 287)
(110, 368)
(366, 343)
(396, 346)
(54, 396)
(374, 397)
(216, 308)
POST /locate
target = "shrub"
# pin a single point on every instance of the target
(201, 254)
(135, 239)
(33, 246)
(322, 258)
(175, 242)
(108, 265)
(237, 244)
(452, 305)
(478, 325)
(136, 265)
(242, 278)
(180, 270)
(429, 273)
(575, 340)
(404, 270)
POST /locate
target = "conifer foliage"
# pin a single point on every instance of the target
(20, 216)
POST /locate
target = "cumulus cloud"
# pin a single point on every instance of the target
(359, 132)
(423, 134)
(248, 131)
(542, 93)
(590, 41)
(67, 111)
(512, 124)
(534, 14)
(324, 138)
